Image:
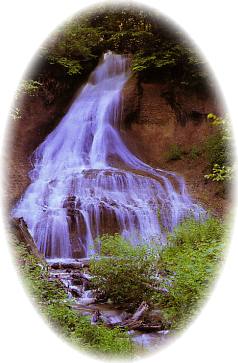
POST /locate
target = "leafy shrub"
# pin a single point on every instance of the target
(174, 278)
(174, 153)
(29, 87)
(220, 173)
(216, 150)
(124, 273)
(191, 262)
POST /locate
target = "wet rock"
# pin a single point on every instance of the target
(96, 317)
(78, 204)
(77, 232)
(76, 291)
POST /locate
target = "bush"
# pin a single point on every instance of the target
(174, 153)
(124, 273)
(220, 173)
(217, 150)
(191, 262)
(174, 278)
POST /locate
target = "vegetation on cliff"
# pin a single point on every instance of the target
(219, 152)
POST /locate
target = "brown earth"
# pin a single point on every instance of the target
(154, 117)
(39, 115)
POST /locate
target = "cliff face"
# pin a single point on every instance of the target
(39, 115)
(154, 117)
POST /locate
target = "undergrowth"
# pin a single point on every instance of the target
(191, 262)
(174, 279)
(53, 303)
(124, 273)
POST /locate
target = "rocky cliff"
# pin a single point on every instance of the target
(156, 117)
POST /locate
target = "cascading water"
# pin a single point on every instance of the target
(85, 181)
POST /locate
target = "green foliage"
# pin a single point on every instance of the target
(73, 66)
(29, 87)
(191, 261)
(73, 47)
(141, 62)
(53, 303)
(156, 52)
(125, 273)
(222, 123)
(175, 278)
(220, 173)
(15, 113)
(169, 60)
(174, 153)
(218, 150)
(104, 340)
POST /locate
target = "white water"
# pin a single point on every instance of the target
(86, 182)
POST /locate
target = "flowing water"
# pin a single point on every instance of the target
(86, 182)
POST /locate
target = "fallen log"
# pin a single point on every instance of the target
(134, 322)
(23, 235)
(140, 311)
(76, 264)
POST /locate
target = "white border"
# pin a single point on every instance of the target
(24, 25)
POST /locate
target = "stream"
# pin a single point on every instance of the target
(75, 277)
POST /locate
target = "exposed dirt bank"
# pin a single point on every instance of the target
(154, 117)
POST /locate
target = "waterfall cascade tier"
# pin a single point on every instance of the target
(85, 181)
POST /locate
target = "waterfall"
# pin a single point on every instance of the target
(85, 182)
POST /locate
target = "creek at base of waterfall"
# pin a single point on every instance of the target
(75, 277)
(85, 182)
